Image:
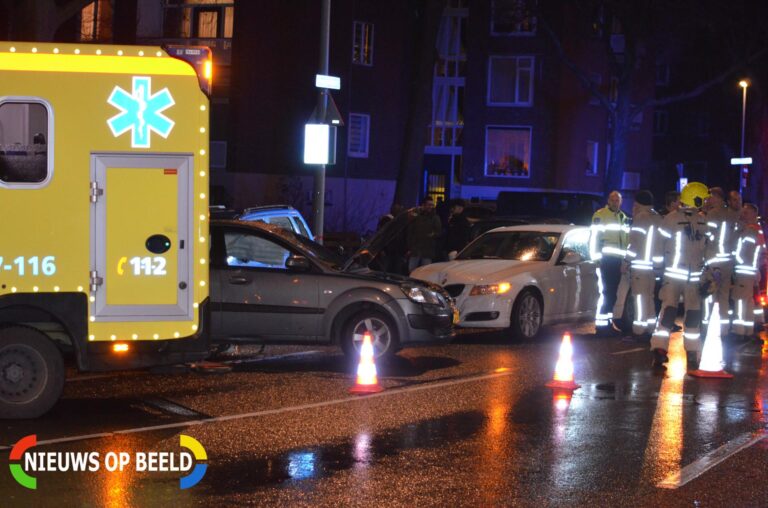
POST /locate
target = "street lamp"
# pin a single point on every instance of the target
(744, 84)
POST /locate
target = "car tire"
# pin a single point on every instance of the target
(382, 327)
(527, 315)
(31, 373)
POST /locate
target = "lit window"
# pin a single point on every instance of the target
(362, 43)
(202, 19)
(508, 152)
(513, 17)
(358, 132)
(510, 81)
(96, 22)
(24, 148)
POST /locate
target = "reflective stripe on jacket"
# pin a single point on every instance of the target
(609, 233)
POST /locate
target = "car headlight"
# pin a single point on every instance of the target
(491, 289)
(420, 294)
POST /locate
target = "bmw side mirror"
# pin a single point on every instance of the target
(297, 263)
(452, 255)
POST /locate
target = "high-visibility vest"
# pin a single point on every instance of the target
(722, 224)
(609, 236)
(685, 234)
(749, 244)
(644, 249)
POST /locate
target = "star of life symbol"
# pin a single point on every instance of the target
(141, 112)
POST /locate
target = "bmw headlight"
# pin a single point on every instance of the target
(420, 294)
(491, 289)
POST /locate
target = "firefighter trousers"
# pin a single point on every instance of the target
(643, 283)
(670, 293)
(744, 305)
(722, 296)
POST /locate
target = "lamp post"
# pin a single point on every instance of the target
(744, 84)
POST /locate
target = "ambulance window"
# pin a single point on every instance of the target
(23, 142)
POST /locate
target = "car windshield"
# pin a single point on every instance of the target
(312, 249)
(512, 245)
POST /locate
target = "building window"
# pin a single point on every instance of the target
(660, 123)
(593, 148)
(510, 81)
(362, 43)
(636, 122)
(508, 151)
(96, 22)
(513, 17)
(199, 19)
(447, 124)
(24, 142)
(358, 134)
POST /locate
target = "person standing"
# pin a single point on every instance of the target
(734, 202)
(722, 223)
(458, 233)
(671, 202)
(422, 235)
(608, 243)
(644, 254)
(750, 246)
(685, 234)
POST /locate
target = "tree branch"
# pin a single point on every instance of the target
(698, 90)
(578, 71)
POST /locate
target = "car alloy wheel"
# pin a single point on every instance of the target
(381, 335)
(528, 315)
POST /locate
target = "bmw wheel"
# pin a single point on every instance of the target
(527, 315)
(379, 325)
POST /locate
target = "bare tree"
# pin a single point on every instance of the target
(633, 31)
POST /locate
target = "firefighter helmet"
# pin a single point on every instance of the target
(694, 194)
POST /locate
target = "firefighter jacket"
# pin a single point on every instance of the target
(722, 223)
(749, 246)
(685, 235)
(609, 233)
(645, 243)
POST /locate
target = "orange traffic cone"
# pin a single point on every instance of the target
(367, 381)
(711, 364)
(563, 379)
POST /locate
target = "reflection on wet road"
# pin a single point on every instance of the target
(468, 423)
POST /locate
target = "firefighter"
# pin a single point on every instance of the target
(685, 235)
(644, 254)
(749, 247)
(722, 222)
(608, 243)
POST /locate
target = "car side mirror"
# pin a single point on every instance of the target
(570, 257)
(452, 255)
(297, 263)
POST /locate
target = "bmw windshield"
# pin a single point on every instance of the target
(513, 246)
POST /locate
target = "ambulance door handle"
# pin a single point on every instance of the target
(181, 244)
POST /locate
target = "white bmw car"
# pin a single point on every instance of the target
(521, 277)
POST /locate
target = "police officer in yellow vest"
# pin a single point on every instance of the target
(608, 244)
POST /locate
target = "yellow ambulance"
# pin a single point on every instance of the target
(103, 214)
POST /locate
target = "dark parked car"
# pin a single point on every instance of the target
(571, 207)
(271, 285)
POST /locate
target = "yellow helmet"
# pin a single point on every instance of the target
(694, 194)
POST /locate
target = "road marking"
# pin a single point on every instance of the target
(270, 358)
(270, 412)
(627, 351)
(710, 460)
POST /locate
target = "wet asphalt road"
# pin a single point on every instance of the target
(467, 424)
